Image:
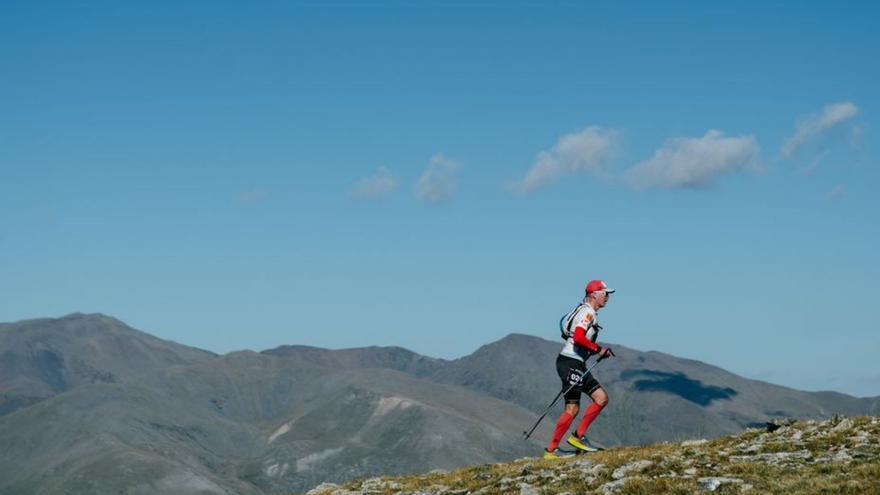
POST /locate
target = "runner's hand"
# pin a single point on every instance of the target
(605, 352)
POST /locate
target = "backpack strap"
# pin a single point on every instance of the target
(566, 321)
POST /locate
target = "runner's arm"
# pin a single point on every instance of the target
(580, 338)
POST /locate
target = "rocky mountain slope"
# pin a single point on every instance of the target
(654, 396)
(44, 357)
(240, 423)
(90, 405)
(838, 455)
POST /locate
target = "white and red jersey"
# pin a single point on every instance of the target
(582, 342)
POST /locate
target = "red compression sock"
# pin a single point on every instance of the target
(561, 427)
(590, 414)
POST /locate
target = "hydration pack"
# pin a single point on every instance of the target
(566, 323)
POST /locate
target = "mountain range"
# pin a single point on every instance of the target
(91, 405)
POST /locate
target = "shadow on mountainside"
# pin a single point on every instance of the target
(679, 384)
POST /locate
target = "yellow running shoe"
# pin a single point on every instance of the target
(582, 444)
(556, 454)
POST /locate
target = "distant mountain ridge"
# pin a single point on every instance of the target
(90, 405)
(43, 357)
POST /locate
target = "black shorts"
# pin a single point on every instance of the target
(570, 370)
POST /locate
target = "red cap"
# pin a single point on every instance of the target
(598, 285)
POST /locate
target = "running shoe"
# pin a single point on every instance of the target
(582, 444)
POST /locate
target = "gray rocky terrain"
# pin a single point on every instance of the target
(838, 455)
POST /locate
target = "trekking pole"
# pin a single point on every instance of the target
(527, 434)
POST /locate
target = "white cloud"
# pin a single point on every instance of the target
(837, 191)
(695, 162)
(253, 196)
(813, 125)
(437, 182)
(814, 163)
(376, 186)
(584, 150)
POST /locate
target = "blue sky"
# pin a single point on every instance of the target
(436, 175)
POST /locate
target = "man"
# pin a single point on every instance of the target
(571, 364)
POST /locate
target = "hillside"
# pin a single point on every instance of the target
(694, 399)
(244, 422)
(839, 455)
(90, 405)
(43, 357)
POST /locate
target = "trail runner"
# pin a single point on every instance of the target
(570, 365)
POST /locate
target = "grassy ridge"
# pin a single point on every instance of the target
(839, 455)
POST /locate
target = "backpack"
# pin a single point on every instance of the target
(566, 329)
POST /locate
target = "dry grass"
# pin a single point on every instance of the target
(676, 469)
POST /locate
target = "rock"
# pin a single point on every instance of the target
(622, 471)
(588, 480)
(861, 436)
(613, 486)
(797, 435)
(846, 424)
(774, 458)
(585, 463)
(438, 471)
(842, 456)
(694, 443)
(710, 484)
(379, 485)
(757, 447)
(592, 471)
(864, 454)
(779, 425)
(527, 489)
(690, 471)
(433, 490)
(323, 488)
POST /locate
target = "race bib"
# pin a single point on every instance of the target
(574, 376)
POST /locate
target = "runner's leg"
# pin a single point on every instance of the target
(600, 400)
(565, 420)
(564, 368)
